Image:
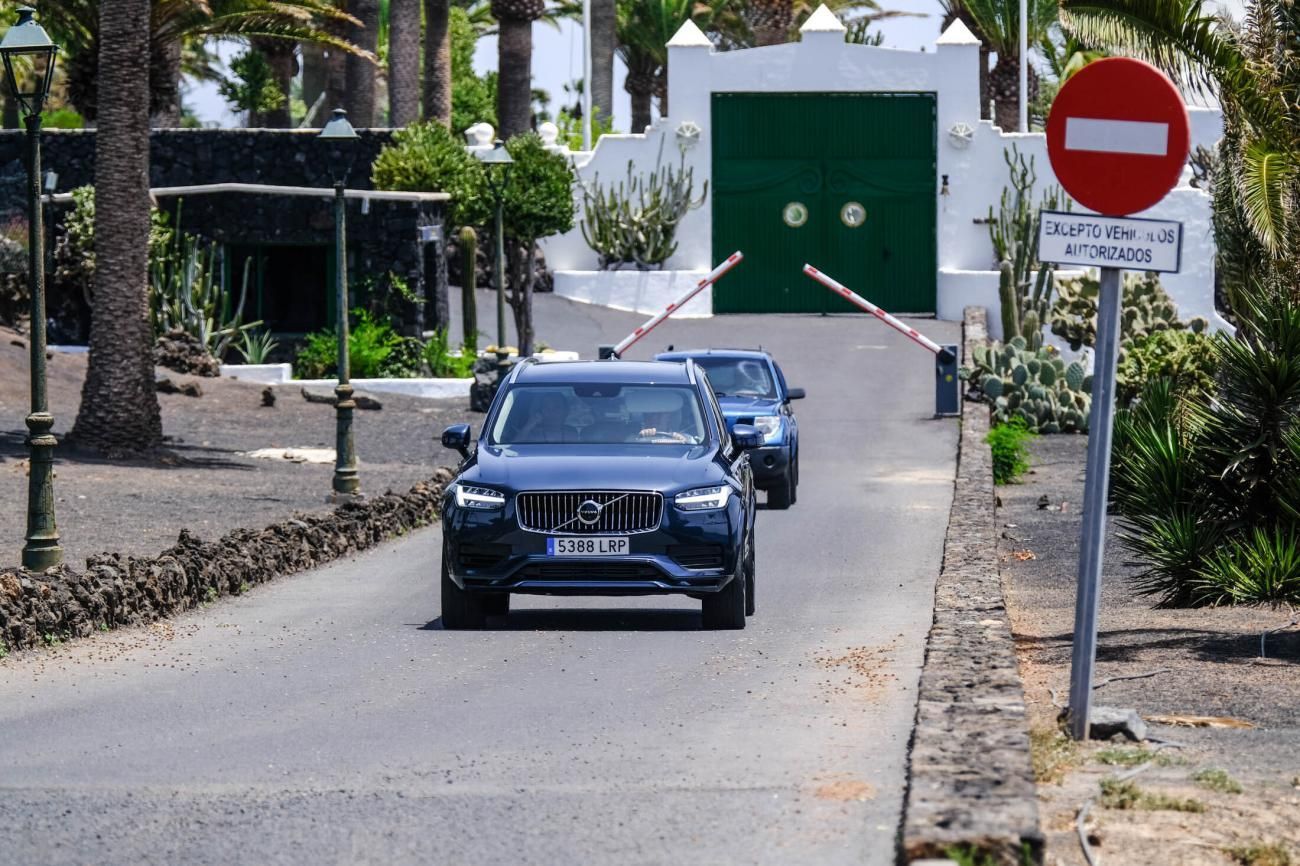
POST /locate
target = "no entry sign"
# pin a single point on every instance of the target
(1117, 136)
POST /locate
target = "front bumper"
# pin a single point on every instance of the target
(769, 465)
(689, 553)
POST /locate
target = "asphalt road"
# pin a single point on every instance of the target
(327, 718)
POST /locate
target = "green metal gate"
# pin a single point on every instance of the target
(844, 181)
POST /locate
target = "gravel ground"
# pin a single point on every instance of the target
(203, 482)
(1214, 669)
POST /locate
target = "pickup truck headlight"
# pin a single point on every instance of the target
(479, 498)
(769, 426)
(703, 498)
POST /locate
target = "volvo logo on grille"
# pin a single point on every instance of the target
(589, 512)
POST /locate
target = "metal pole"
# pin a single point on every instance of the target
(41, 550)
(500, 267)
(1024, 66)
(1092, 540)
(346, 482)
(586, 75)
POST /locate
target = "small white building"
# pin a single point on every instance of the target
(870, 163)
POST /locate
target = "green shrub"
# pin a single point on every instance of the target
(370, 343)
(426, 157)
(1185, 357)
(405, 361)
(1010, 451)
(1209, 490)
(473, 96)
(442, 363)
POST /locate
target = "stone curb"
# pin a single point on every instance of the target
(970, 777)
(115, 591)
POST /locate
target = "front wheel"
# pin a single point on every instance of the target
(726, 609)
(749, 580)
(781, 496)
(460, 609)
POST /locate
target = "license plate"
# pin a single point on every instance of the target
(604, 545)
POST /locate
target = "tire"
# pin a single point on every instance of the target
(750, 571)
(794, 479)
(460, 609)
(780, 497)
(726, 609)
(496, 604)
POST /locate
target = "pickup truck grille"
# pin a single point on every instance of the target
(589, 512)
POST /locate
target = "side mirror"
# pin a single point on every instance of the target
(746, 437)
(456, 437)
(795, 394)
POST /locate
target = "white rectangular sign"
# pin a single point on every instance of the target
(1109, 242)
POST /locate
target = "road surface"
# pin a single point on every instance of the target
(327, 717)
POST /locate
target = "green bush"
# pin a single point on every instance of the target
(442, 363)
(370, 344)
(426, 157)
(1008, 442)
(473, 96)
(1186, 357)
(1209, 489)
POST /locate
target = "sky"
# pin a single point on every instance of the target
(557, 57)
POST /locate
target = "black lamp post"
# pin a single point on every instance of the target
(346, 482)
(497, 162)
(28, 40)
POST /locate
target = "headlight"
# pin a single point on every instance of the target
(479, 498)
(769, 426)
(703, 498)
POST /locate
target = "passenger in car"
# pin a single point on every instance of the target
(548, 423)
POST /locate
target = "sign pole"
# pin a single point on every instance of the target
(1092, 541)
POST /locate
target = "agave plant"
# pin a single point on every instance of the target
(1254, 71)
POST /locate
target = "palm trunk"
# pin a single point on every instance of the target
(640, 85)
(279, 54)
(1004, 83)
(771, 21)
(603, 24)
(359, 100)
(514, 77)
(119, 405)
(322, 73)
(437, 62)
(164, 80)
(403, 62)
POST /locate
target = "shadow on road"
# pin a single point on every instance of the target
(573, 619)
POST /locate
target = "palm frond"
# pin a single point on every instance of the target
(1266, 177)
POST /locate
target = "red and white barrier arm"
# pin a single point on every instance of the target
(710, 278)
(859, 301)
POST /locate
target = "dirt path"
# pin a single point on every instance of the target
(1212, 665)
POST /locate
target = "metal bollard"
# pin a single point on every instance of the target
(947, 385)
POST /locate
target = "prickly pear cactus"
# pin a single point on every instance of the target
(1034, 385)
(1147, 308)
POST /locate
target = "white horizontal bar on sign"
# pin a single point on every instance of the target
(1101, 135)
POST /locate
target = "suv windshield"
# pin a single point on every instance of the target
(599, 413)
(738, 377)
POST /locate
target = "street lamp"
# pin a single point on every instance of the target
(497, 162)
(346, 482)
(27, 42)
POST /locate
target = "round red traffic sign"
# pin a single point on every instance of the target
(1117, 136)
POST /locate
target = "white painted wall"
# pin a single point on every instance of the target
(822, 62)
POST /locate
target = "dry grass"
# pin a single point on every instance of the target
(1126, 795)
(1053, 753)
(1214, 779)
(1273, 854)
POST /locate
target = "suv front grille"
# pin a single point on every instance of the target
(614, 512)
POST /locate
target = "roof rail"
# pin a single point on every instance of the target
(519, 366)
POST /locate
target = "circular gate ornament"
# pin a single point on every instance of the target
(853, 214)
(795, 214)
(1117, 136)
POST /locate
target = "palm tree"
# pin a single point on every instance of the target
(403, 62)
(515, 63)
(280, 56)
(360, 74)
(1253, 70)
(119, 404)
(772, 22)
(997, 24)
(604, 38)
(437, 61)
(174, 26)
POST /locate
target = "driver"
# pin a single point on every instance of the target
(664, 422)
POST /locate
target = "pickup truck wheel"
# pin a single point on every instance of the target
(780, 496)
(726, 609)
(460, 609)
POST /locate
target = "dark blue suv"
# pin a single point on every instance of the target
(601, 478)
(751, 389)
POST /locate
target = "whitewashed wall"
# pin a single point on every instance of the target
(822, 62)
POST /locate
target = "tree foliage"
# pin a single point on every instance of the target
(252, 87)
(426, 157)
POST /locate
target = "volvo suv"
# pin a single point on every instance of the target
(601, 478)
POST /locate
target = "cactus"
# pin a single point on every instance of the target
(635, 221)
(1010, 301)
(469, 283)
(1036, 386)
(1146, 309)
